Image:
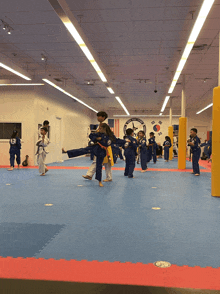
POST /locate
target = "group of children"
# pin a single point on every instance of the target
(103, 144)
(42, 143)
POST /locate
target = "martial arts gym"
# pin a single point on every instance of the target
(109, 146)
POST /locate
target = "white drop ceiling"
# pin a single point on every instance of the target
(138, 44)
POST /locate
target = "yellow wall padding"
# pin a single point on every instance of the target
(182, 143)
(170, 134)
(216, 143)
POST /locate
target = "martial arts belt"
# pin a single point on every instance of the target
(109, 155)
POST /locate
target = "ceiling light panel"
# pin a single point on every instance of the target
(68, 94)
(210, 105)
(203, 13)
(14, 71)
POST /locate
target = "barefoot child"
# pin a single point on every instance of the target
(167, 144)
(42, 151)
(101, 142)
(130, 153)
(194, 143)
(15, 147)
(142, 144)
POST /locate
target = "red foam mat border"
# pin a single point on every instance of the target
(113, 168)
(110, 273)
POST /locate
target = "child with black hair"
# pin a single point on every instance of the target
(101, 142)
(194, 143)
(45, 125)
(142, 145)
(101, 117)
(167, 144)
(152, 152)
(130, 153)
(42, 151)
(15, 147)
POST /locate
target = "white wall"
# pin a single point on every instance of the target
(16, 105)
(31, 106)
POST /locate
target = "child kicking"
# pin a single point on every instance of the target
(42, 151)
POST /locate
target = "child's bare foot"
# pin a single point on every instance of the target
(46, 170)
(43, 174)
(143, 171)
(87, 177)
(64, 151)
(107, 180)
(18, 166)
(100, 184)
(11, 168)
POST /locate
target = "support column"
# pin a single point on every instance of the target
(216, 136)
(182, 132)
(170, 131)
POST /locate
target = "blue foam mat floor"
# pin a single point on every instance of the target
(116, 222)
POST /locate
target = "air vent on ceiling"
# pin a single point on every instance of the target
(58, 80)
(199, 47)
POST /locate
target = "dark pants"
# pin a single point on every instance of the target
(99, 161)
(166, 153)
(152, 153)
(92, 155)
(143, 155)
(195, 161)
(78, 152)
(12, 157)
(120, 154)
(129, 163)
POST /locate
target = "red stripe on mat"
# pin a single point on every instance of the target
(113, 168)
(110, 273)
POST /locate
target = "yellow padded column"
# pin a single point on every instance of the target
(216, 143)
(182, 143)
(170, 134)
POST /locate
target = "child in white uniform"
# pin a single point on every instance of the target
(42, 151)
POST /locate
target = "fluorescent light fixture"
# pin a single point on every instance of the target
(70, 27)
(110, 90)
(68, 94)
(165, 103)
(73, 31)
(203, 13)
(125, 109)
(14, 71)
(102, 77)
(87, 52)
(210, 105)
(161, 113)
(21, 85)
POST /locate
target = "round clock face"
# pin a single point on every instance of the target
(136, 125)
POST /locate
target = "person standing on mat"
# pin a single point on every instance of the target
(130, 153)
(152, 152)
(194, 143)
(15, 147)
(101, 117)
(142, 144)
(42, 151)
(167, 144)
